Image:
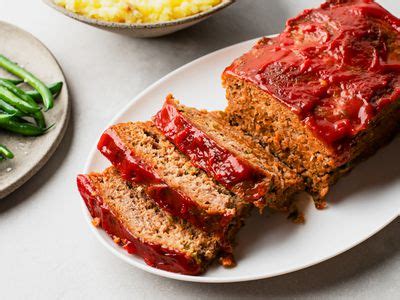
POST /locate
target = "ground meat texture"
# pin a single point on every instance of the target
(135, 222)
(321, 96)
(228, 155)
(144, 155)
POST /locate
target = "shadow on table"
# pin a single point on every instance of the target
(46, 172)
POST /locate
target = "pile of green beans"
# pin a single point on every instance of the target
(21, 111)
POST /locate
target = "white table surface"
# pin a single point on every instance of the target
(46, 248)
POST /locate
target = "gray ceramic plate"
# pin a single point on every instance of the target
(31, 153)
(144, 30)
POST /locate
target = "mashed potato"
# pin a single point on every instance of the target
(137, 11)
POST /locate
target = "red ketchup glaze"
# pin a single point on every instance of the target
(336, 67)
(228, 169)
(153, 254)
(134, 169)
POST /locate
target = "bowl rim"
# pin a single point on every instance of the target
(97, 22)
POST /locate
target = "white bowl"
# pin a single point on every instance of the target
(144, 30)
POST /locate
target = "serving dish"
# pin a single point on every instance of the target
(31, 153)
(359, 206)
(144, 30)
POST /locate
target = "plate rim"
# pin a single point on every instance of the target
(64, 125)
(201, 278)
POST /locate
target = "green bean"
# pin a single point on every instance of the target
(4, 117)
(19, 92)
(39, 119)
(5, 153)
(55, 89)
(29, 78)
(8, 122)
(17, 102)
(38, 116)
(13, 81)
(4, 106)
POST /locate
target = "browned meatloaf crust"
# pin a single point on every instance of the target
(143, 155)
(226, 154)
(135, 222)
(323, 94)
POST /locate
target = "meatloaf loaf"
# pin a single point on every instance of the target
(143, 155)
(135, 221)
(226, 154)
(324, 93)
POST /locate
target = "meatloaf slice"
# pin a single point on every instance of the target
(143, 155)
(226, 154)
(135, 221)
(325, 93)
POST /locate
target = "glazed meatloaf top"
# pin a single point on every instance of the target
(337, 67)
(143, 154)
(227, 154)
(136, 222)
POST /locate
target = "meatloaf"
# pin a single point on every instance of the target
(143, 155)
(135, 221)
(226, 154)
(324, 94)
